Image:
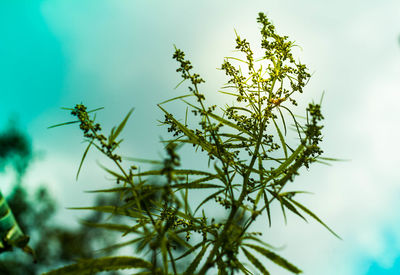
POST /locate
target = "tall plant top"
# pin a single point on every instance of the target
(250, 169)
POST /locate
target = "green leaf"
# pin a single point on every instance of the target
(175, 98)
(192, 267)
(241, 267)
(65, 123)
(233, 136)
(259, 241)
(115, 174)
(281, 138)
(283, 120)
(196, 185)
(189, 251)
(230, 124)
(94, 110)
(208, 198)
(194, 139)
(143, 160)
(267, 207)
(119, 245)
(285, 164)
(92, 266)
(111, 209)
(108, 226)
(178, 239)
(284, 202)
(83, 158)
(111, 190)
(121, 126)
(255, 262)
(275, 258)
(294, 119)
(176, 172)
(302, 207)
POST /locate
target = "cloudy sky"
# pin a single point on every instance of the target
(117, 54)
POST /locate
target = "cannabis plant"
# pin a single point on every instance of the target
(251, 159)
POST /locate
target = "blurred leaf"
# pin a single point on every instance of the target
(87, 267)
(255, 262)
(275, 258)
(192, 267)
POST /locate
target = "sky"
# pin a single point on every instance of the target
(118, 55)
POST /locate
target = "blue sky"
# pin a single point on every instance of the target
(117, 54)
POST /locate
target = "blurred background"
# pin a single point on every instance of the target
(118, 55)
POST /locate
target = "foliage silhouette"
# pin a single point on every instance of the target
(249, 168)
(54, 244)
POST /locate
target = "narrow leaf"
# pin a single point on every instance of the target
(111, 190)
(302, 207)
(255, 262)
(111, 209)
(275, 258)
(176, 172)
(284, 165)
(189, 251)
(281, 138)
(107, 226)
(120, 128)
(175, 98)
(208, 198)
(83, 158)
(194, 139)
(192, 267)
(65, 123)
(196, 185)
(267, 207)
(92, 266)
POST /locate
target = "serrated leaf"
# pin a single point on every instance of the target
(192, 267)
(302, 207)
(241, 267)
(275, 258)
(286, 163)
(259, 241)
(189, 251)
(92, 266)
(255, 262)
(178, 239)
